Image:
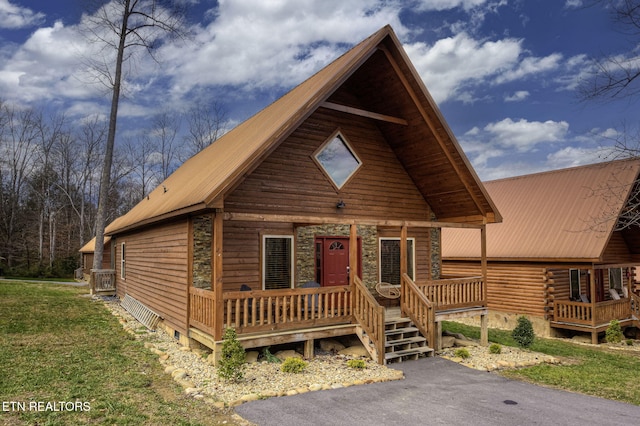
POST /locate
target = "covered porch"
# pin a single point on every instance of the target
(592, 311)
(263, 317)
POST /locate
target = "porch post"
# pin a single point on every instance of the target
(592, 299)
(216, 274)
(484, 329)
(353, 253)
(403, 250)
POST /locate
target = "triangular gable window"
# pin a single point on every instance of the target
(337, 159)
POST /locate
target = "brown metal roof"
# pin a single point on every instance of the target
(380, 74)
(90, 247)
(567, 214)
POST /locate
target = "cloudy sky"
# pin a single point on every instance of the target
(504, 72)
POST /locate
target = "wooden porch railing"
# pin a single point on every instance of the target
(455, 293)
(370, 315)
(635, 305)
(102, 280)
(417, 305)
(265, 310)
(202, 309)
(584, 314)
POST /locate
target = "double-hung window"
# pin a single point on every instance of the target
(277, 262)
(615, 278)
(574, 283)
(123, 268)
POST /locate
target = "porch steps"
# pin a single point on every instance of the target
(404, 341)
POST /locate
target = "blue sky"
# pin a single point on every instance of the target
(503, 72)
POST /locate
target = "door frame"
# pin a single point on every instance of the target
(318, 246)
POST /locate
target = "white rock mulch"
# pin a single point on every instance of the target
(192, 370)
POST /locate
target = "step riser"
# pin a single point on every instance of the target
(404, 342)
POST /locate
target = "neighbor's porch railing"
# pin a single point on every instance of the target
(455, 293)
(265, 310)
(580, 313)
(102, 280)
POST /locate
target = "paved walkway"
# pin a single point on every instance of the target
(440, 392)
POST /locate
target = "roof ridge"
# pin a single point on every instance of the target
(566, 169)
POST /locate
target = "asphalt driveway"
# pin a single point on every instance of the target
(440, 392)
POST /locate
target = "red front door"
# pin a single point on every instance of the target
(333, 259)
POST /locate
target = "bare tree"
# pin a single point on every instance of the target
(123, 27)
(616, 75)
(207, 122)
(18, 139)
(165, 127)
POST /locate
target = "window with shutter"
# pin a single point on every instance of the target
(277, 262)
(390, 260)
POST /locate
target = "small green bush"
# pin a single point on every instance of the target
(523, 333)
(293, 365)
(231, 364)
(356, 364)
(614, 332)
(462, 353)
(495, 349)
(629, 342)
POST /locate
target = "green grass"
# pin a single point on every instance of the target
(588, 370)
(56, 344)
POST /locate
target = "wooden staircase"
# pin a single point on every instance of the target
(404, 341)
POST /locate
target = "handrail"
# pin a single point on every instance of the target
(415, 303)
(370, 315)
(455, 293)
(587, 314)
(635, 305)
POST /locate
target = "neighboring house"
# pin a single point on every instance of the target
(562, 255)
(283, 226)
(87, 256)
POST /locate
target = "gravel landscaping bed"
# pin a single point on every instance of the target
(194, 372)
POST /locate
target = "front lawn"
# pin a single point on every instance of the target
(592, 370)
(65, 360)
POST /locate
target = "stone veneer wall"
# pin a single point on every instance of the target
(436, 259)
(202, 234)
(305, 251)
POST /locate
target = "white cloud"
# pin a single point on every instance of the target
(524, 134)
(14, 17)
(449, 4)
(257, 44)
(575, 156)
(518, 96)
(573, 4)
(455, 61)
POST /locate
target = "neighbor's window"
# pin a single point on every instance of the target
(337, 159)
(122, 261)
(615, 278)
(390, 260)
(277, 262)
(574, 283)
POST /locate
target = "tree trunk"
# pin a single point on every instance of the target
(105, 181)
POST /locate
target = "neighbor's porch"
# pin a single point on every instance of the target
(595, 317)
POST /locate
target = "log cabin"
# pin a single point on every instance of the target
(284, 226)
(566, 252)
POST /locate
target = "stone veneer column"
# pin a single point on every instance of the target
(202, 233)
